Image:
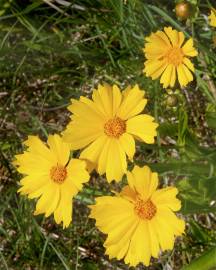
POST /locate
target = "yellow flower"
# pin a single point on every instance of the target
(107, 127)
(140, 220)
(212, 17)
(52, 176)
(166, 56)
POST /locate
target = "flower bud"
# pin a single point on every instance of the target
(172, 100)
(183, 10)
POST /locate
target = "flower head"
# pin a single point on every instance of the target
(212, 17)
(107, 126)
(167, 55)
(52, 176)
(140, 220)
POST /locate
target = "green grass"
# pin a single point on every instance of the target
(49, 54)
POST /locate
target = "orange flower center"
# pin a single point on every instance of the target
(174, 56)
(58, 173)
(115, 127)
(145, 209)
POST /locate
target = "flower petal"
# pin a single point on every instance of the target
(188, 63)
(140, 246)
(92, 152)
(167, 197)
(175, 223)
(167, 76)
(154, 68)
(142, 127)
(128, 144)
(59, 149)
(172, 35)
(212, 17)
(48, 201)
(63, 212)
(76, 175)
(153, 240)
(143, 181)
(38, 148)
(79, 134)
(184, 76)
(173, 76)
(188, 48)
(102, 161)
(132, 103)
(116, 161)
(32, 183)
(164, 233)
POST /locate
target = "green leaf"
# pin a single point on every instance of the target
(198, 233)
(211, 119)
(206, 261)
(197, 194)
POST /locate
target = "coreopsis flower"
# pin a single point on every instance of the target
(166, 55)
(107, 126)
(140, 220)
(51, 175)
(212, 17)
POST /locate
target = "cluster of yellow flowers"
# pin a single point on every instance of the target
(140, 220)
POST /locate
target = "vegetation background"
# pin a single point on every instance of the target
(52, 51)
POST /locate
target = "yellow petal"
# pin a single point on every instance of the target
(102, 162)
(154, 244)
(129, 193)
(63, 212)
(188, 48)
(167, 197)
(212, 18)
(188, 73)
(93, 151)
(175, 223)
(163, 37)
(142, 127)
(107, 99)
(76, 175)
(79, 134)
(182, 77)
(38, 148)
(164, 233)
(143, 181)
(173, 76)
(116, 100)
(53, 203)
(172, 35)
(32, 183)
(108, 210)
(116, 161)
(82, 108)
(120, 248)
(47, 202)
(121, 227)
(154, 68)
(132, 104)
(38, 192)
(167, 76)
(159, 38)
(140, 248)
(188, 63)
(115, 217)
(59, 149)
(103, 98)
(181, 39)
(128, 144)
